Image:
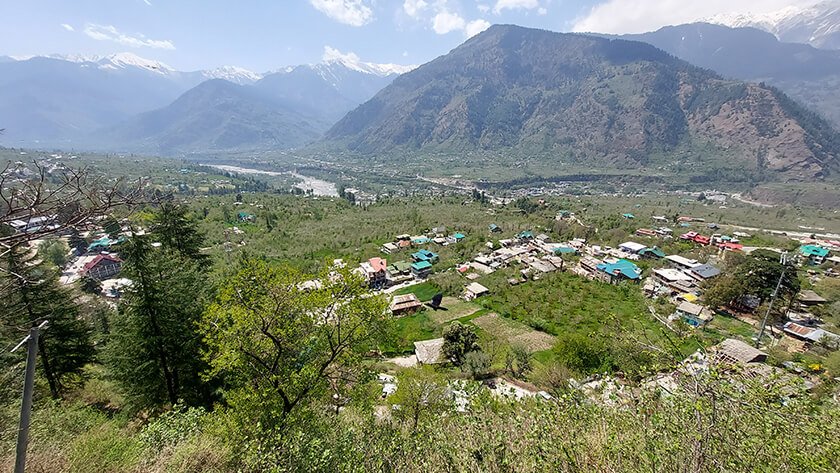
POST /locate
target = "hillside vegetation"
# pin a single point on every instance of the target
(575, 99)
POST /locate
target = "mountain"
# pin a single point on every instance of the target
(216, 115)
(46, 99)
(332, 88)
(818, 25)
(584, 100)
(809, 75)
(75, 101)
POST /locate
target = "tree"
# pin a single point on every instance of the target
(55, 251)
(477, 364)
(154, 350)
(518, 361)
(754, 275)
(175, 229)
(421, 393)
(279, 345)
(33, 294)
(458, 340)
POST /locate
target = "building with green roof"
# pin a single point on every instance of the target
(816, 255)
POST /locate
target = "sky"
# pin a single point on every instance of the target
(265, 35)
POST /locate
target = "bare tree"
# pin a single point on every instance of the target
(36, 201)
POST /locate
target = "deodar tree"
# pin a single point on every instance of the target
(281, 346)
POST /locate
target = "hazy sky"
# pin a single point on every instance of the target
(265, 35)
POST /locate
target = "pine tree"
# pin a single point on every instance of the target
(33, 294)
(175, 229)
(154, 351)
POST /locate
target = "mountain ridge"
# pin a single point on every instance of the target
(586, 98)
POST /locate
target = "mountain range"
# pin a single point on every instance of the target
(110, 103)
(809, 75)
(816, 24)
(588, 100)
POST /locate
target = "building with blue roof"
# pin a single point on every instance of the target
(621, 270)
(421, 269)
(425, 255)
(816, 255)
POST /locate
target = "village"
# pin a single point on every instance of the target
(408, 262)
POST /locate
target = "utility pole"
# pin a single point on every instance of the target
(783, 260)
(31, 342)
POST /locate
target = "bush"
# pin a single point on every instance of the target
(477, 364)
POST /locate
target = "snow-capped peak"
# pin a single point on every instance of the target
(811, 22)
(237, 75)
(123, 60)
(353, 62)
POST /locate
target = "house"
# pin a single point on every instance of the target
(810, 298)
(646, 232)
(34, 224)
(731, 246)
(245, 217)
(439, 230)
(659, 218)
(620, 270)
(815, 255)
(405, 304)
(425, 255)
(703, 272)
(420, 240)
(389, 248)
(664, 231)
(429, 352)
(834, 260)
(702, 240)
(688, 236)
(475, 290)
(681, 262)
(564, 250)
(734, 351)
(653, 252)
(102, 244)
(375, 271)
(694, 314)
(459, 236)
(810, 334)
(628, 216)
(494, 228)
(102, 267)
(421, 269)
(400, 268)
(674, 279)
(525, 235)
(540, 266)
(669, 276)
(631, 247)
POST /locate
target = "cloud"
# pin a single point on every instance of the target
(147, 2)
(349, 12)
(637, 16)
(67, 27)
(446, 22)
(515, 5)
(542, 11)
(476, 26)
(110, 33)
(414, 7)
(332, 54)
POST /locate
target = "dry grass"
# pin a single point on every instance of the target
(514, 333)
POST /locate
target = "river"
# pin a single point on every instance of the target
(317, 186)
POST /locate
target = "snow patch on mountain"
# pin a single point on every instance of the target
(353, 62)
(815, 23)
(237, 75)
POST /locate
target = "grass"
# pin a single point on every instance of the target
(455, 310)
(410, 329)
(514, 333)
(424, 291)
